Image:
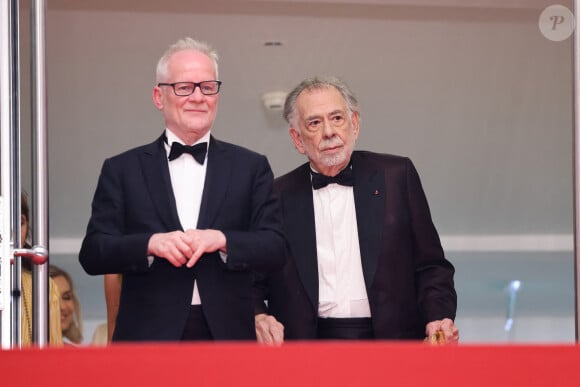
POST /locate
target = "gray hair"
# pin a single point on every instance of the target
(319, 83)
(183, 45)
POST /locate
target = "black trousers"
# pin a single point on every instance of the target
(351, 328)
(196, 328)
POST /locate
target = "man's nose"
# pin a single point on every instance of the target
(197, 95)
(327, 129)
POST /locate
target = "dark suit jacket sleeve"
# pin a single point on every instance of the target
(107, 248)
(434, 274)
(262, 245)
(260, 292)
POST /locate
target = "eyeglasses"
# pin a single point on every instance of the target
(183, 89)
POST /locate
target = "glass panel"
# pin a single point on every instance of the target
(476, 96)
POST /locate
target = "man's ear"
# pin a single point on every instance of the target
(355, 124)
(297, 140)
(157, 96)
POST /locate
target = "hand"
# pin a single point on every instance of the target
(450, 331)
(176, 246)
(205, 241)
(268, 330)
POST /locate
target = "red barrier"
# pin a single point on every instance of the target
(296, 364)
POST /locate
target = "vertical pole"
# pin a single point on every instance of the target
(15, 170)
(40, 173)
(576, 166)
(5, 216)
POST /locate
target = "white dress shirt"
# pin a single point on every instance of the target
(342, 291)
(187, 181)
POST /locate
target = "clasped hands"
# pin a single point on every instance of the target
(186, 247)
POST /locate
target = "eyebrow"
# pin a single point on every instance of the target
(315, 116)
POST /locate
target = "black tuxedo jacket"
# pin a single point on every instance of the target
(408, 280)
(134, 199)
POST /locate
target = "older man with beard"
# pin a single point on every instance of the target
(365, 259)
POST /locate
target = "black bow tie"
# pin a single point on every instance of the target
(198, 151)
(343, 178)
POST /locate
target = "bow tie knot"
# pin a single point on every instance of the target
(198, 151)
(343, 178)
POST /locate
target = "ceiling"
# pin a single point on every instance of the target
(470, 90)
(286, 7)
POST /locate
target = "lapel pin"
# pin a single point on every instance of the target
(376, 193)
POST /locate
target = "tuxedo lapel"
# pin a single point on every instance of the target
(216, 183)
(369, 198)
(299, 221)
(158, 182)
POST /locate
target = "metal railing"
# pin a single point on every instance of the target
(11, 250)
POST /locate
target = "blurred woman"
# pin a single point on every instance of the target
(70, 307)
(55, 331)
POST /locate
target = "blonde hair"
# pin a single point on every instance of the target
(75, 332)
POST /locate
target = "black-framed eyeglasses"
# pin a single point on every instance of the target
(183, 89)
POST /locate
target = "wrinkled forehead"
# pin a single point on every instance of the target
(320, 101)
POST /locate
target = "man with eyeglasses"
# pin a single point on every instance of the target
(185, 218)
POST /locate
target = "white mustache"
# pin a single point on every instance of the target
(332, 143)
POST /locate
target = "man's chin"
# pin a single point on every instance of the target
(334, 160)
(198, 128)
